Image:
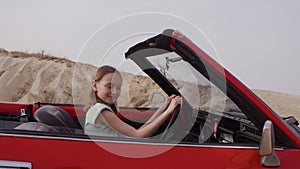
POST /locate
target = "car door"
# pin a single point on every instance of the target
(68, 152)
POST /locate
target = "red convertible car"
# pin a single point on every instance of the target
(221, 123)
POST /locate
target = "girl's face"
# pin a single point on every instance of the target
(108, 88)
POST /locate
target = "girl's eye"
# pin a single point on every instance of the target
(118, 87)
(108, 86)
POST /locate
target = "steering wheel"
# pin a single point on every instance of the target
(169, 132)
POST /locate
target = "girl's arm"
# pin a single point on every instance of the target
(123, 128)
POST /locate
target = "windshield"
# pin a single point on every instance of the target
(180, 75)
(196, 89)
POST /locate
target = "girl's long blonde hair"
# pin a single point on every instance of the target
(93, 98)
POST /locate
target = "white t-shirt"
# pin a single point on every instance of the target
(91, 128)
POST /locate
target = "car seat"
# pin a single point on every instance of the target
(36, 126)
(56, 117)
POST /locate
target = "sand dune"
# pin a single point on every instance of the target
(281, 103)
(29, 78)
(32, 79)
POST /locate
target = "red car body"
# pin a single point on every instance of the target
(26, 148)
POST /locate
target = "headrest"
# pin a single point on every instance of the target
(55, 116)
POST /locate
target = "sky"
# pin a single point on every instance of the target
(257, 41)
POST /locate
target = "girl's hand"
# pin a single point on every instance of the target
(167, 102)
(177, 100)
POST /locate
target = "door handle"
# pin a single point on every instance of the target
(15, 164)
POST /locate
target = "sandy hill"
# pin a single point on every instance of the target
(34, 77)
(283, 104)
(29, 78)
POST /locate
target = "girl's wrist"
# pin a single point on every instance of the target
(163, 107)
(168, 111)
